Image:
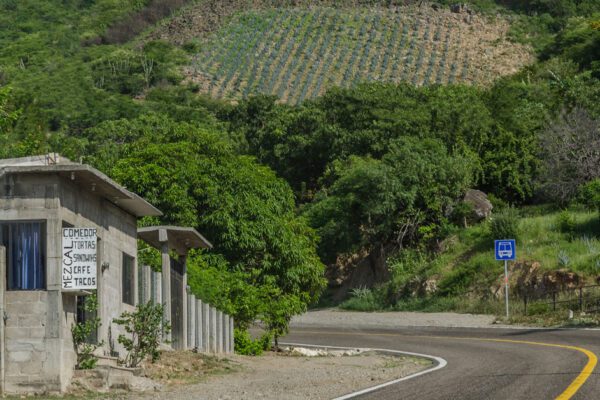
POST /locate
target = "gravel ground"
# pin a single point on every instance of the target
(335, 318)
(274, 377)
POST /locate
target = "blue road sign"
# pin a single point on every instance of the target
(506, 249)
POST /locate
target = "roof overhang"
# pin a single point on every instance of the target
(180, 239)
(94, 181)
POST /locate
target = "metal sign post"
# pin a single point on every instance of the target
(506, 285)
(505, 250)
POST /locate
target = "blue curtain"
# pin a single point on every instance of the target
(26, 257)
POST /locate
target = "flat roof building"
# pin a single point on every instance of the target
(65, 229)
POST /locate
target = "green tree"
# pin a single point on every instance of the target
(192, 174)
(379, 201)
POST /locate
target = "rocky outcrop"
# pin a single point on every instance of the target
(482, 207)
(528, 279)
(364, 269)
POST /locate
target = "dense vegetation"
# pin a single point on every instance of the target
(281, 189)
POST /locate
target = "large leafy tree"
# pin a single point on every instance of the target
(398, 199)
(196, 179)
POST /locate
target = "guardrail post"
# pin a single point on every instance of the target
(580, 299)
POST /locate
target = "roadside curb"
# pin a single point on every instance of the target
(439, 364)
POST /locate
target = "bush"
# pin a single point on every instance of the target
(589, 194)
(565, 222)
(82, 331)
(363, 299)
(505, 225)
(145, 325)
(247, 346)
(538, 308)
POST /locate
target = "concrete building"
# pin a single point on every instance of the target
(46, 266)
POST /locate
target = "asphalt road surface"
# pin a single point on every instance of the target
(483, 363)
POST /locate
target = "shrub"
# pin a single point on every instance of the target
(565, 222)
(247, 346)
(563, 259)
(589, 194)
(82, 331)
(505, 225)
(145, 327)
(363, 299)
(538, 308)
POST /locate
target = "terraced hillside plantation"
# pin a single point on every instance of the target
(297, 53)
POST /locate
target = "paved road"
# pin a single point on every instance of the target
(477, 369)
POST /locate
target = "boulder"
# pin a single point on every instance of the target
(482, 207)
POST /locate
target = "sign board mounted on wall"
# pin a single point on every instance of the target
(79, 258)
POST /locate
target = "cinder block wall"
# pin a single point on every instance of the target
(29, 368)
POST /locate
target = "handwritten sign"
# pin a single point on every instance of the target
(79, 253)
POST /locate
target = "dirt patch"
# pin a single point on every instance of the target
(443, 46)
(286, 376)
(182, 367)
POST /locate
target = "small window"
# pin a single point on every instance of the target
(25, 244)
(128, 272)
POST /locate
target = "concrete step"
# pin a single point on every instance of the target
(108, 361)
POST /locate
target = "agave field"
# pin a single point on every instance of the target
(297, 54)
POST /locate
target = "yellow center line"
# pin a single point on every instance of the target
(566, 395)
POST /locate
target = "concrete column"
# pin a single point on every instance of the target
(2, 325)
(205, 327)
(231, 335)
(184, 309)
(166, 281)
(198, 327)
(191, 309)
(213, 330)
(225, 333)
(219, 331)
(157, 294)
(146, 284)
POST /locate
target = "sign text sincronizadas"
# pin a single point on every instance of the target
(79, 252)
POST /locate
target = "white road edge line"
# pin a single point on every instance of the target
(441, 363)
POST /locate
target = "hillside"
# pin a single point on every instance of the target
(556, 251)
(299, 53)
(286, 189)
